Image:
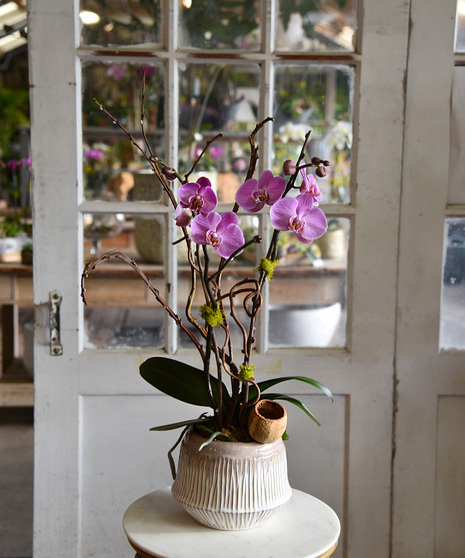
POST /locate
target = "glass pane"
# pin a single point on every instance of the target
(219, 24)
(308, 291)
(453, 291)
(456, 191)
(317, 98)
(239, 269)
(316, 26)
(460, 27)
(121, 311)
(216, 99)
(121, 23)
(110, 159)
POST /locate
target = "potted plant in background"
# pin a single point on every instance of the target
(16, 225)
(232, 470)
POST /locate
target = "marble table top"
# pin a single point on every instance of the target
(158, 525)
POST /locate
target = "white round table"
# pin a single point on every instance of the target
(157, 526)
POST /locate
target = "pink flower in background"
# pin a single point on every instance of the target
(299, 215)
(94, 155)
(198, 196)
(254, 194)
(310, 186)
(220, 231)
(216, 151)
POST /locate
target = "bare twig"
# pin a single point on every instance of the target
(197, 161)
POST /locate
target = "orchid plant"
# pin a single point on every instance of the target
(203, 229)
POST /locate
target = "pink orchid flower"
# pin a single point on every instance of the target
(299, 215)
(310, 186)
(254, 194)
(198, 196)
(220, 231)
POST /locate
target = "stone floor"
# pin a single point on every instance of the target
(16, 469)
(16, 482)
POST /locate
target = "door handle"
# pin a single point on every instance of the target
(56, 348)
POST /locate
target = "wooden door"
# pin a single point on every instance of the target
(94, 454)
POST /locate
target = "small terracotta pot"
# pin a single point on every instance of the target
(267, 421)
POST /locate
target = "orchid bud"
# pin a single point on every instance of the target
(316, 161)
(320, 171)
(183, 216)
(169, 172)
(289, 167)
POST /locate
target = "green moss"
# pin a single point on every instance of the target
(267, 267)
(247, 372)
(212, 317)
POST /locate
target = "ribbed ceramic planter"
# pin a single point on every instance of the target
(231, 485)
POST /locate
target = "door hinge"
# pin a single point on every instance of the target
(56, 348)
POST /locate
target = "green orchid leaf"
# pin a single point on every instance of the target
(295, 402)
(270, 383)
(214, 436)
(175, 425)
(170, 453)
(180, 381)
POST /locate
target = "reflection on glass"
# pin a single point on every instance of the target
(316, 26)
(219, 25)
(110, 159)
(121, 311)
(216, 99)
(460, 27)
(123, 328)
(317, 98)
(452, 334)
(308, 291)
(100, 227)
(119, 23)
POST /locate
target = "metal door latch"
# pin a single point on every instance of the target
(56, 348)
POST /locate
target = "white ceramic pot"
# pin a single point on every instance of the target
(231, 485)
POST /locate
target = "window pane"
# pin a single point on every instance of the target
(121, 23)
(456, 191)
(216, 99)
(460, 27)
(219, 24)
(308, 291)
(239, 269)
(453, 290)
(315, 26)
(317, 98)
(121, 311)
(109, 157)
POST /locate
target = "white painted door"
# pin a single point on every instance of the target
(94, 454)
(429, 465)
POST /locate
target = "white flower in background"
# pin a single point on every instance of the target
(340, 136)
(292, 132)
